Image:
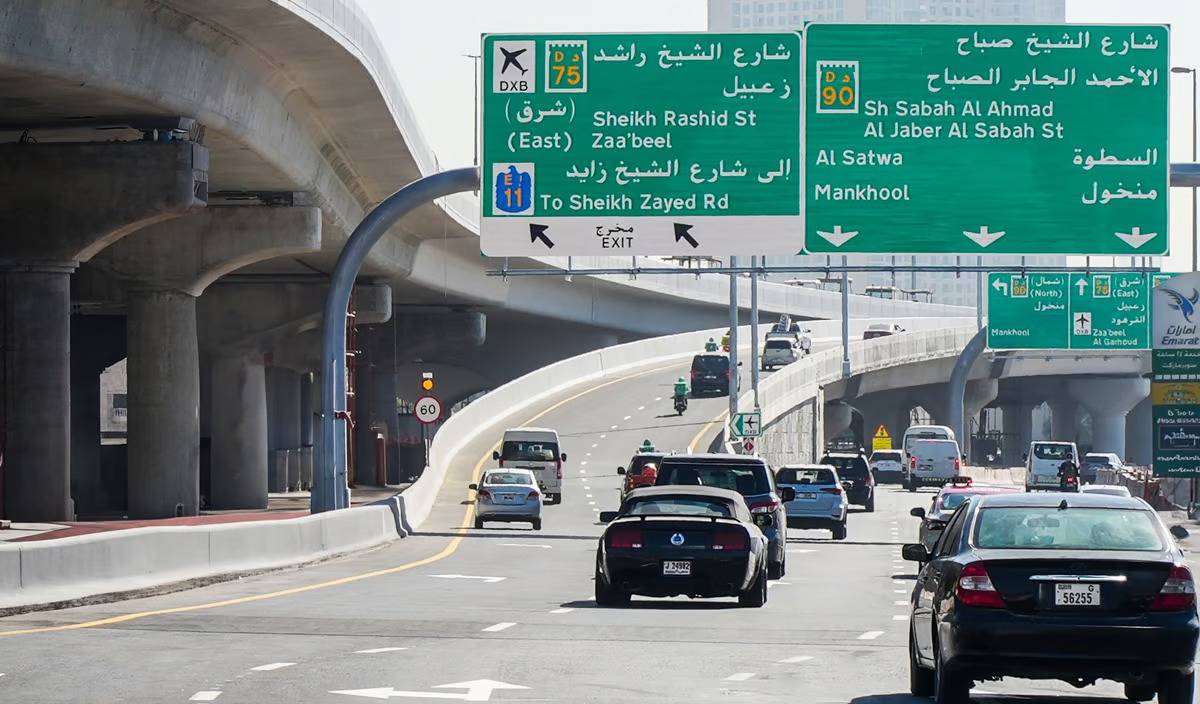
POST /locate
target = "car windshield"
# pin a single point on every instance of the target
(529, 451)
(789, 475)
(745, 479)
(886, 456)
(1052, 452)
(710, 364)
(777, 345)
(679, 506)
(848, 467)
(500, 478)
(638, 463)
(1097, 459)
(1043, 528)
(949, 502)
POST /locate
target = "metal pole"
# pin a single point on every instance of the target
(1195, 241)
(845, 321)
(329, 481)
(912, 282)
(754, 329)
(979, 295)
(733, 339)
(475, 64)
(958, 382)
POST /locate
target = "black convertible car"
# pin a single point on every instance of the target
(681, 540)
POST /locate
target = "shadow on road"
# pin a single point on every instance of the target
(899, 698)
(506, 533)
(905, 576)
(656, 605)
(830, 541)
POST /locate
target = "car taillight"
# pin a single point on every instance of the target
(534, 495)
(730, 539)
(558, 470)
(500, 463)
(1177, 593)
(485, 495)
(957, 464)
(765, 506)
(831, 490)
(695, 373)
(728, 374)
(912, 461)
(975, 588)
(625, 537)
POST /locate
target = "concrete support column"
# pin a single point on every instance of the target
(37, 395)
(164, 405)
(307, 404)
(1138, 446)
(1018, 431)
(1109, 400)
(283, 415)
(838, 417)
(239, 433)
(1064, 413)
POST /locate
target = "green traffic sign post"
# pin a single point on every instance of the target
(746, 425)
(1075, 311)
(654, 144)
(980, 139)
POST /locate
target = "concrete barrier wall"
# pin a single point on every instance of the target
(507, 405)
(68, 569)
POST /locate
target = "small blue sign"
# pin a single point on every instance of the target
(514, 189)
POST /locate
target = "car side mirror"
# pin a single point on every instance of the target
(473, 487)
(917, 512)
(495, 455)
(1179, 532)
(786, 494)
(1025, 457)
(563, 457)
(608, 516)
(620, 470)
(915, 552)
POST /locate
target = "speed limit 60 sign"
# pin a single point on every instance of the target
(428, 410)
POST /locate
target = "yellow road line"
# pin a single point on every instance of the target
(451, 547)
(704, 429)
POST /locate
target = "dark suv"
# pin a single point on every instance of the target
(710, 374)
(748, 476)
(856, 476)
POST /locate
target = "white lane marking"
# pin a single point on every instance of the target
(900, 591)
(583, 462)
(587, 454)
(591, 503)
(497, 627)
(602, 436)
(799, 551)
(563, 610)
(739, 677)
(658, 398)
(205, 696)
(596, 444)
(525, 545)
(589, 496)
(900, 602)
(272, 666)
(626, 417)
(612, 428)
(641, 408)
(797, 658)
(486, 580)
(778, 584)
(870, 635)
(900, 617)
(372, 651)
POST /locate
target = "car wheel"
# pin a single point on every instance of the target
(1139, 692)
(911, 486)
(478, 522)
(1176, 688)
(607, 595)
(949, 687)
(920, 679)
(776, 570)
(839, 531)
(756, 596)
(870, 505)
(536, 523)
(555, 498)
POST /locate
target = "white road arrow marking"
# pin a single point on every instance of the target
(1082, 285)
(486, 580)
(477, 691)
(1135, 237)
(526, 545)
(983, 238)
(1000, 286)
(837, 238)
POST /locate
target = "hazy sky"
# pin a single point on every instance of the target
(427, 38)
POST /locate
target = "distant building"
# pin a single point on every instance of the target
(727, 15)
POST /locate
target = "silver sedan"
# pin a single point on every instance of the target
(509, 495)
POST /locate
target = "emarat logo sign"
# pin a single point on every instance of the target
(1175, 316)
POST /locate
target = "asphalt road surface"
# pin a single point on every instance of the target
(506, 614)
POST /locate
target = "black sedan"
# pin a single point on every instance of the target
(692, 541)
(1073, 587)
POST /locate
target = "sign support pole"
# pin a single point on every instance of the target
(845, 320)
(733, 339)
(979, 295)
(754, 261)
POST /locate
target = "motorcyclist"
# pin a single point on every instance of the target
(711, 345)
(647, 446)
(1067, 471)
(725, 340)
(681, 388)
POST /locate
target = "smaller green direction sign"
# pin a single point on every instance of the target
(746, 425)
(1075, 311)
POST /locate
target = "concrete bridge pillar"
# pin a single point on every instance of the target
(980, 393)
(239, 433)
(283, 418)
(1018, 431)
(1064, 413)
(60, 204)
(838, 417)
(1109, 400)
(1139, 446)
(168, 266)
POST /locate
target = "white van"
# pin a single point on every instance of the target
(537, 450)
(1043, 461)
(923, 432)
(932, 463)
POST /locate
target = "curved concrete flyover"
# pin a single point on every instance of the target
(298, 101)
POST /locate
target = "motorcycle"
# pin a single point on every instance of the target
(680, 404)
(1069, 484)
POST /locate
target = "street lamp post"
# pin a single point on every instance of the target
(1188, 69)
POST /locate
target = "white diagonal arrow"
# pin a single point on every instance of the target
(983, 238)
(1000, 286)
(837, 238)
(477, 691)
(1135, 237)
(486, 580)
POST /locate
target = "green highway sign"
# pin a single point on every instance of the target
(1082, 310)
(746, 425)
(653, 144)
(981, 139)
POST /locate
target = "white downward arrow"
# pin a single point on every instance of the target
(983, 238)
(1000, 286)
(486, 580)
(477, 691)
(837, 238)
(1136, 238)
